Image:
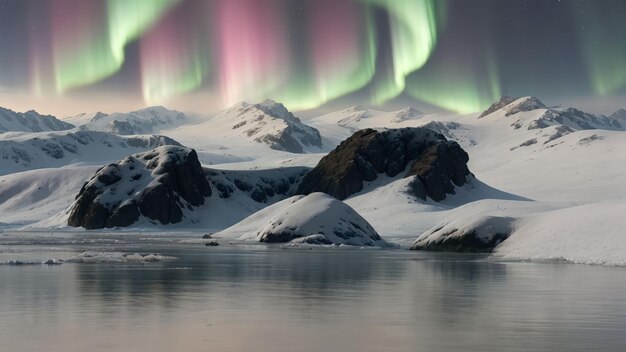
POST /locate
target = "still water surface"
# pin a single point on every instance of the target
(259, 298)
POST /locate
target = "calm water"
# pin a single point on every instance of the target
(255, 298)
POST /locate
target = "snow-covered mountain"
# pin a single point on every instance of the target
(30, 121)
(620, 115)
(145, 121)
(268, 123)
(543, 117)
(534, 168)
(22, 151)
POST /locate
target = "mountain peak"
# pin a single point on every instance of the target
(407, 113)
(275, 109)
(514, 105)
(619, 114)
(504, 101)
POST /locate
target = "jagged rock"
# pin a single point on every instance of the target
(436, 163)
(157, 184)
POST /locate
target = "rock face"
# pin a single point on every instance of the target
(319, 219)
(262, 186)
(481, 234)
(436, 163)
(157, 184)
(30, 121)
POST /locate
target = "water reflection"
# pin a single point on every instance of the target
(272, 299)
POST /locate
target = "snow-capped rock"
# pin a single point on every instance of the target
(167, 185)
(459, 234)
(437, 165)
(314, 219)
(30, 121)
(523, 104)
(504, 101)
(27, 151)
(158, 185)
(269, 123)
(145, 121)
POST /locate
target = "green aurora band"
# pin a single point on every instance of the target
(462, 89)
(606, 61)
(308, 90)
(98, 52)
(413, 26)
(374, 48)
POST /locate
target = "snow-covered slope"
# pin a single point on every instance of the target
(31, 196)
(21, 151)
(316, 219)
(145, 121)
(338, 125)
(30, 121)
(358, 117)
(590, 234)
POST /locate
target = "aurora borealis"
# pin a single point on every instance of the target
(452, 54)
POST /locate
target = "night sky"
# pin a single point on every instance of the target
(460, 55)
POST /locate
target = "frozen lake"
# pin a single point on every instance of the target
(270, 298)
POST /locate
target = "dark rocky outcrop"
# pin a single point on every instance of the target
(436, 164)
(479, 234)
(158, 185)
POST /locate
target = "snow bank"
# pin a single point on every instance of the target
(590, 234)
(118, 257)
